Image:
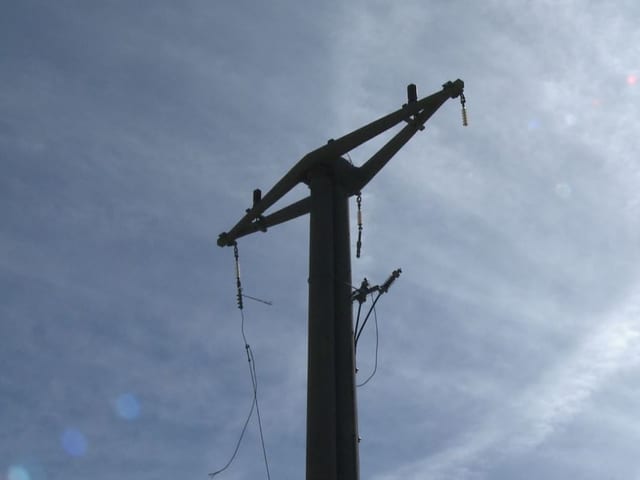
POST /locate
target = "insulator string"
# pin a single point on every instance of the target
(463, 102)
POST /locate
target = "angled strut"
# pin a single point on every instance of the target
(415, 113)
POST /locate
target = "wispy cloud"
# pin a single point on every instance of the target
(131, 136)
(536, 414)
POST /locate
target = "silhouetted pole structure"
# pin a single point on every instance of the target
(332, 432)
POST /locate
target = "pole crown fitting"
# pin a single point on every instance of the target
(224, 241)
(454, 89)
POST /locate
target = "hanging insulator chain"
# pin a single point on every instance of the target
(238, 284)
(359, 242)
(384, 288)
(463, 102)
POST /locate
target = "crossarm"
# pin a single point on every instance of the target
(415, 112)
(431, 104)
(294, 210)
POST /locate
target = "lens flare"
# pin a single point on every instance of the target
(632, 79)
(17, 472)
(127, 406)
(563, 190)
(74, 442)
(570, 119)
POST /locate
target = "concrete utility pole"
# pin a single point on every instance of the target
(332, 429)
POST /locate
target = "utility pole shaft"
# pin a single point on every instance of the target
(332, 427)
(332, 436)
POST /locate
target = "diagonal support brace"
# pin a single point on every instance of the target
(416, 113)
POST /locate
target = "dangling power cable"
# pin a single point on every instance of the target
(360, 294)
(255, 299)
(375, 363)
(384, 288)
(366, 318)
(252, 372)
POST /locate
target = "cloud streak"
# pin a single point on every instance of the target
(130, 136)
(546, 406)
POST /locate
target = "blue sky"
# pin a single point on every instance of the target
(132, 134)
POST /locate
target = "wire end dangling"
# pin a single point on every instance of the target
(463, 101)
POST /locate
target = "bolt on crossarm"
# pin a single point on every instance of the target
(332, 435)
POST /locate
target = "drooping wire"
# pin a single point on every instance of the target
(357, 322)
(246, 422)
(366, 318)
(360, 295)
(254, 379)
(235, 451)
(375, 365)
(256, 299)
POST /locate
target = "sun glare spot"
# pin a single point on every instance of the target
(563, 190)
(16, 472)
(127, 406)
(632, 79)
(570, 119)
(533, 124)
(74, 442)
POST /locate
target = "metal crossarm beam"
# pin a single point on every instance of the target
(372, 166)
(285, 214)
(415, 113)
